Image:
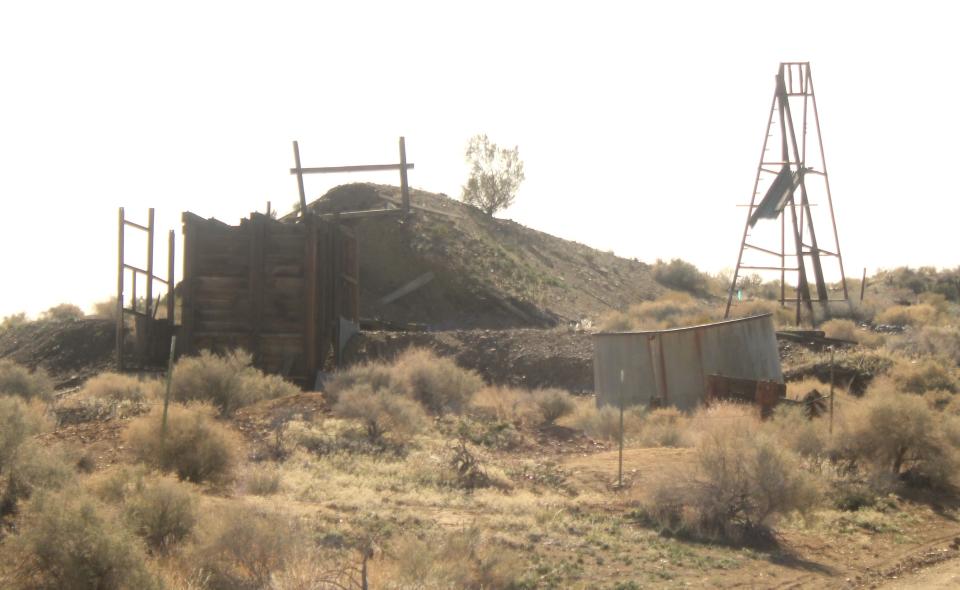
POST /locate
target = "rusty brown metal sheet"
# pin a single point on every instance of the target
(672, 365)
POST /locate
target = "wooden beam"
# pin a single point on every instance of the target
(408, 288)
(310, 284)
(404, 189)
(120, 271)
(360, 168)
(299, 172)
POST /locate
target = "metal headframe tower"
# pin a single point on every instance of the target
(791, 170)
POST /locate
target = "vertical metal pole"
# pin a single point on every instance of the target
(783, 259)
(620, 458)
(149, 303)
(303, 194)
(120, 291)
(171, 248)
(404, 188)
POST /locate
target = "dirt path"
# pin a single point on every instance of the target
(938, 577)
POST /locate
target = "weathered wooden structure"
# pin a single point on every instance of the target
(286, 292)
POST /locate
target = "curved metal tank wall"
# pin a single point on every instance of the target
(674, 364)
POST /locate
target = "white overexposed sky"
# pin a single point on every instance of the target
(640, 123)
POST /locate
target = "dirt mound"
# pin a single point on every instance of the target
(478, 271)
(70, 350)
(527, 358)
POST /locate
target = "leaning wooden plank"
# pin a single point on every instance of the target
(408, 288)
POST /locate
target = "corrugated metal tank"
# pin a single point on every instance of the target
(673, 364)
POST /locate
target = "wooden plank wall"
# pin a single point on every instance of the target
(274, 289)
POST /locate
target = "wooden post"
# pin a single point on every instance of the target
(404, 188)
(831, 391)
(620, 458)
(171, 248)
(310, 300)
(166, 396)
(149, 302)
(303, 194)
(258, 229)
(120, 292)
(863, 283)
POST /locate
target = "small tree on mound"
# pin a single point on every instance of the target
(495, 175)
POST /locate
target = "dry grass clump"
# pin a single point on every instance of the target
(227, 381)
(923, 375)
(458, 559)
(669, 311)
(791, 426)
(116, 388)
(17, 380)
(922, 314)
(24, 465)
(603, 423)
(196, 447)
(782, 316)
(664, 427)
(742, 482)
(940, 341)
(841, 328)
(437, 383)
(376, 375)
(68, 540)
(239, 546)
(262, 480)
(162, 511)
(506, 404)
(434, 381)
(382, 413)
(553, 404)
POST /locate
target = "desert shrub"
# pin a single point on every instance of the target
(924, 375)
(741, 483)
(842, 329)
(13, 321)
(19, 421)
(374, 374)
(458, 559)
(681, 275)
(241, 547)
(106, 309)
(800, 434)
(63, 312)
(17, 380)
(614, 321)
(69, 541)
(664, 427)
(553, 404)
(506, 404)
(262, 480)
(782, 316)
(196, 447)
(381, 412)
(434, 381)
(162, 511)
(34, 468)
(942, 341)
(908, 315)
(227, 381)
(894, 433)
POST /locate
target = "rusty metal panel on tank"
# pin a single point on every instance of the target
(673, 365)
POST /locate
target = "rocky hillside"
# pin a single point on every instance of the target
(479, 272)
